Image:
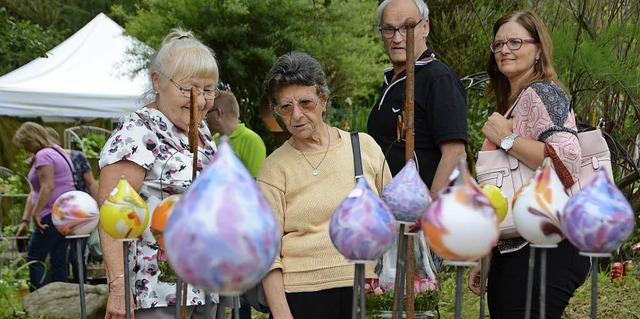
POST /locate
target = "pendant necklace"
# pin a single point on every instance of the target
(315, 168)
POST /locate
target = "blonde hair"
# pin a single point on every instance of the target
(53, 134)
(182, 55)
(30, 133)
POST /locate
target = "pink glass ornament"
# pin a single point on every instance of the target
(537, 206)
(598, 219)
(406, 194)
(222, 236)
(461, 224)
(75, 213)
(361, 227)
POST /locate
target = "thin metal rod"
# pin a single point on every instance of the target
(127, 288)
(543, 282)
(83, 307)
(236, 306)
(178, 297)
(409, 130)
(356, 285)
(401, 266)
(207, 306)
(483, 280)
(458, 309)
(594, 287)
(363, 303)
(532, 262)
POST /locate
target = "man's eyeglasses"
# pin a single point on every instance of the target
(305, 105)
(209, 94)
(513, 44)
(390, 32)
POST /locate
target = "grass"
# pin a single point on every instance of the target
(615, 299)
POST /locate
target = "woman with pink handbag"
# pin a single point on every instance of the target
(534, 120)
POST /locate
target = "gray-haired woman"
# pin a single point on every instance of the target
(304, 180)
(150, 148)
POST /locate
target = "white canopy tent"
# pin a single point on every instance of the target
(86, 76)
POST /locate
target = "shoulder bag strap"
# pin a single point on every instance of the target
(73, 175)
(357, 159)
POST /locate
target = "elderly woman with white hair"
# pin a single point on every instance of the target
(150, 148)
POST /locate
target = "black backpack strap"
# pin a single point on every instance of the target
(357, 159)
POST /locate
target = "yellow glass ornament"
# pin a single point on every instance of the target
(124, 214)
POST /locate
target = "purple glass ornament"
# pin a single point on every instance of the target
(406, 194)
(461, 224)
(598, 219)
(361, 227)
(537, 206)
(222, 236)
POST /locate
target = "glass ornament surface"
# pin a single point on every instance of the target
(461, 224)
(222, 236)
(75, 213)
(406, 194)
(537, 206)
(362, 228)
(598, 219)
(499, 202)
(160, 216)
(124, 215)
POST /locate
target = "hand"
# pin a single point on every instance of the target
(475, 277)
(22, 230)
(115, 304)
(497, 127)
(37, 221)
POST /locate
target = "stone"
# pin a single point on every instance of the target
(62, 300)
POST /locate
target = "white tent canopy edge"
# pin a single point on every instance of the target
(86, 76)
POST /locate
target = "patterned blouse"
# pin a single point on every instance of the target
(542, 112)
(149, 139)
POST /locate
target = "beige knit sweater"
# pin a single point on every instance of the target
(303, 205)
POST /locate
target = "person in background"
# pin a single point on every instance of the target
(304, 181)
(223, 119)
(83, 175)
(150, 147)
(50, 177)
(541, 124)
(440, 99)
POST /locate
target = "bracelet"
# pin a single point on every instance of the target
(114, 279)
(24, 220)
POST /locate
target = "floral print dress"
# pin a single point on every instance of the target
(149, 139)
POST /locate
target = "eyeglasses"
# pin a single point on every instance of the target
(209, 94)
(390, 32)
(304, 104)
(513, 44)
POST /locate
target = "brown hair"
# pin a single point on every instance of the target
(30, 133)
(543, 70)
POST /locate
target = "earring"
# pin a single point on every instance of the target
(537, 61)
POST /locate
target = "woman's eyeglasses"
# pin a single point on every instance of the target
(305, 105)
(209, 94)
(390, 32)
(513, 44)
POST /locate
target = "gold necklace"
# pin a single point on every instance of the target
(315, 168)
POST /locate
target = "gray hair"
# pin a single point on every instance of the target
(422, 6)
(296, 68)
(182, 55)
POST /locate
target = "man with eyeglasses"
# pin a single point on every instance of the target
(440, 100)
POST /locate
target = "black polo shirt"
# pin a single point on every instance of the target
(440, 115)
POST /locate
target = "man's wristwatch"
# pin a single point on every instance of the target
(507, 143)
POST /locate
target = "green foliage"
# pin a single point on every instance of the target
(248, 36)
(13, 286)
(14, 184)
(23, 41)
